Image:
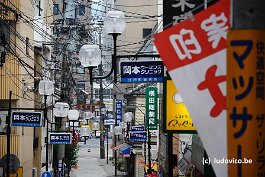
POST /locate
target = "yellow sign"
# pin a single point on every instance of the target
(19, 173)
(177, 118)
(245, 103)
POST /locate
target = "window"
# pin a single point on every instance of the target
(80, 69)
(4, 34)
(146, 32)
(107, 93)
(80, 86)
(82, 10)
(55, 9)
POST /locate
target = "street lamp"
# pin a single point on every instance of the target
(90, 57)
(60, 111)
(114, 24)
(128, 117)
(46, 88)
(73, 116)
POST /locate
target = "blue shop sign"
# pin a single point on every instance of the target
(137, 128)
(60, 138)
(144, 71)
(118, 111)
(26, 119)
(138, 136)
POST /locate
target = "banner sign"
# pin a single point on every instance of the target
(151, 108)
(119, 111)
(60, 138)
(26, 119)
(144, 71)
(138, 136)
(137, 128)
(176, 116)
(194, 53)
(246, 100)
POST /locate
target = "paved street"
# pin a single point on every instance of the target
(89, 163)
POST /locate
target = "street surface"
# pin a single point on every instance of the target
(89, 163)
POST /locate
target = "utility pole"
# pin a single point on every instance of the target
(102, 146)
(61, 148)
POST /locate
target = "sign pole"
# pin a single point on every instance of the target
(47, 133)
(8, 131)
(107, 144)
(149, 149)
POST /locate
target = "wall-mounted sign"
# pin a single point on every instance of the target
(245, 102)
(137, 128)
(177, 11)
(60, 138)
(109, 122)
(176, 116)
(151, 108)
(26, 119)
(138, 136)
(119, 111)
(144, 71)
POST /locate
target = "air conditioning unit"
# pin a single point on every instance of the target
(34, 172)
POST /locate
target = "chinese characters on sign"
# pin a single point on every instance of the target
(151, 108)
(176, 116)
(175, 11)
(118, 111)
(144, 71)
(60, 138)
(194, 53)
(246, 113)
(27, 119)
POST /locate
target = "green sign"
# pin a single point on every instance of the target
(151, 108)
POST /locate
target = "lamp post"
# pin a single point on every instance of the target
(114, 24)
(46, 88)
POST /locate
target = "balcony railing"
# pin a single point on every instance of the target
(8, 9)
(14, 145)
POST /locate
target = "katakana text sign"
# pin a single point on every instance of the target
(194, 53)
(60, 138)
(144, 71)
(176, 116)
(26, 119)
(246, 100)
(118, 111)
(151, 108)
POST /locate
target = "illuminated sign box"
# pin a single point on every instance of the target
(144, 71)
